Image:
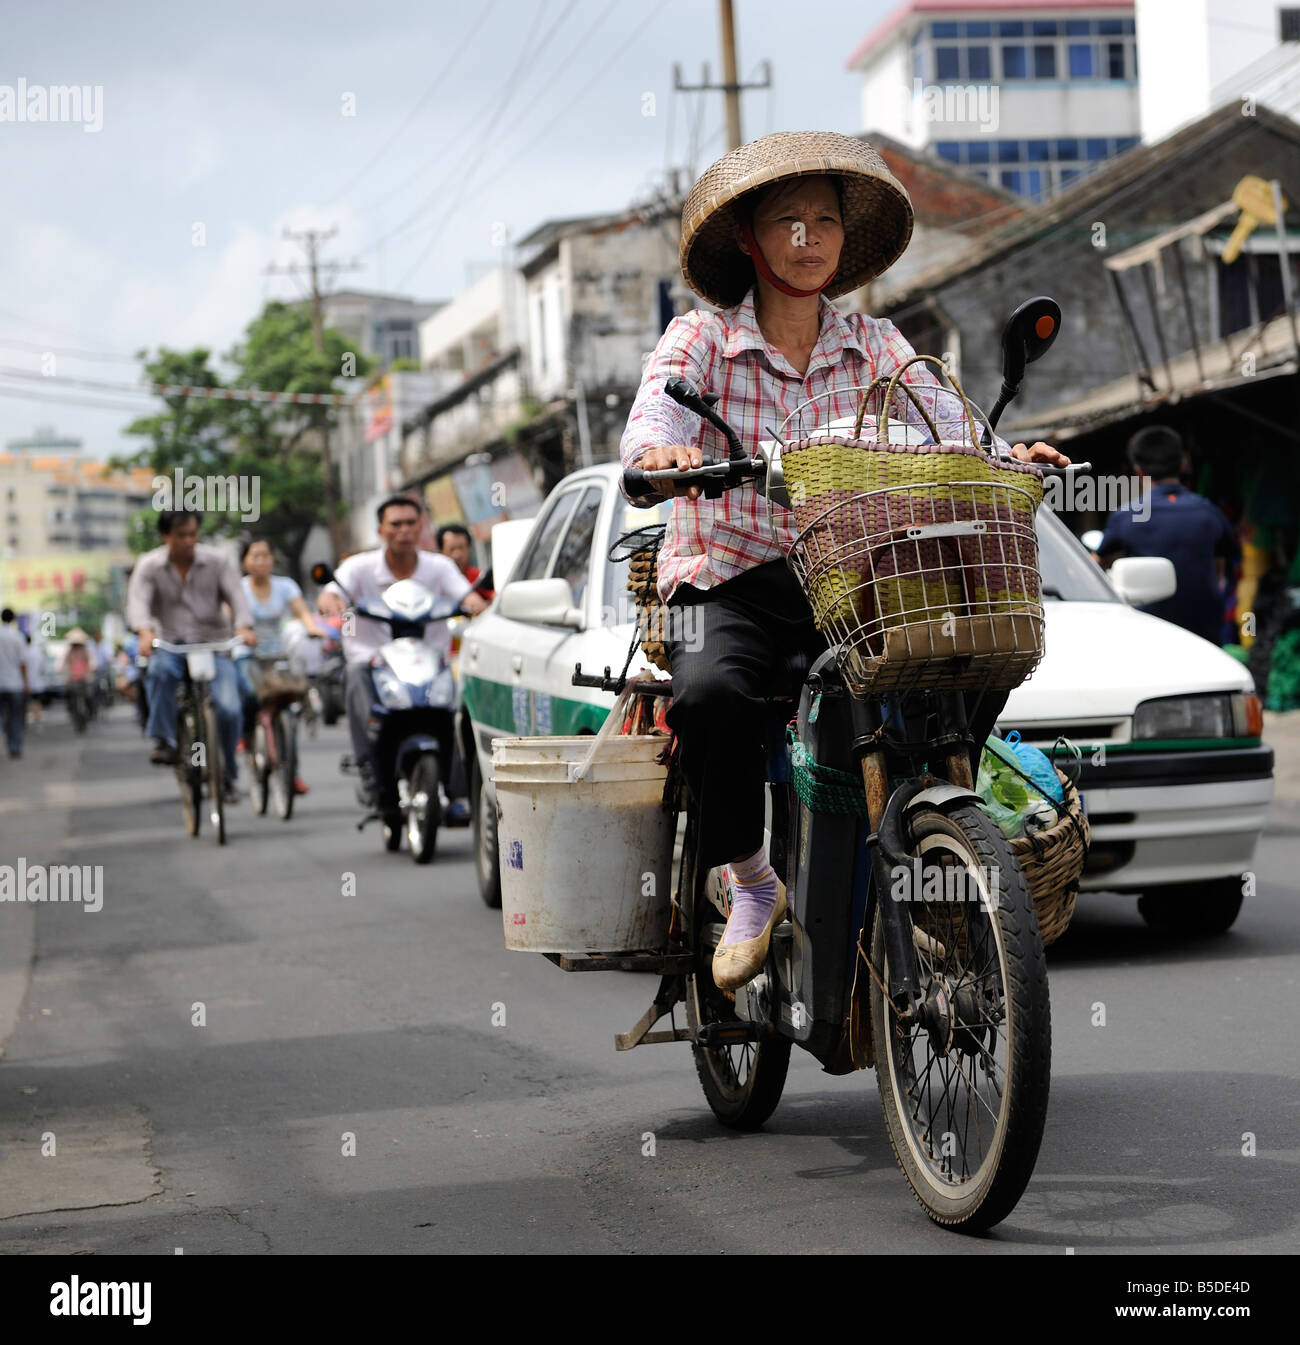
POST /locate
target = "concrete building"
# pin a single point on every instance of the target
(383, 326)
(1028, 94)
(1201, 54)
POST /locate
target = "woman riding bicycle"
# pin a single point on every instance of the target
(770, 233)
(273, 599)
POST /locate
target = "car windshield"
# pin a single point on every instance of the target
(627, 518)
(1069, 572)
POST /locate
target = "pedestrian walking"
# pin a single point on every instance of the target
(13, 682)
(35, 681)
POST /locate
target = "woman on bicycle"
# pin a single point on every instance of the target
(273, 599)
(770, 233)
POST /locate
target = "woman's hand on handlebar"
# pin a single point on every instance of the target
(679, 456)
(1040, 452)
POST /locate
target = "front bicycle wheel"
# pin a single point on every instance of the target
(742, 1079)
(964, 1087)
(259, 769)
(216, 769)
(286, 764)
(189, 775)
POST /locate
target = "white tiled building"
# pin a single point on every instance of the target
(1028, 95)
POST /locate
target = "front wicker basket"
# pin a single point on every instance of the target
(1052, 862)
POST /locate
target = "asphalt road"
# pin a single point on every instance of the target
(328, 1014)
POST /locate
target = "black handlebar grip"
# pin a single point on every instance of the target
(635, 483)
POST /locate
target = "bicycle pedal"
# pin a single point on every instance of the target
(727, 1034)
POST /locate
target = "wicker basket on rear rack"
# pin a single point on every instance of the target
(919, 561)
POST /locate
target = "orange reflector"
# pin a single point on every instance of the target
(1254, 717)
(1045, 326)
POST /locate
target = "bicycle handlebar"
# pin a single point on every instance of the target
(202, 646)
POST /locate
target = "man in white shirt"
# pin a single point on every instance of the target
(367, 575)
(13, 680)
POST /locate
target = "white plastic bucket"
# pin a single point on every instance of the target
(586, 864)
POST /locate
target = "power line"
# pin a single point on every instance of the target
(43, 348)
(502, 102)
(600, 68)
(433, 88)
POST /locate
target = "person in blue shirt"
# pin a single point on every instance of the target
(1183, 527)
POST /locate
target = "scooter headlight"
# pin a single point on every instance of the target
(392, 691)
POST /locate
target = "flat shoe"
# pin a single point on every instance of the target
(738, 963)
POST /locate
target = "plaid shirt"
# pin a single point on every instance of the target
(710, 541)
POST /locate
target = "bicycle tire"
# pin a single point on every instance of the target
(259, 770)
(188, 775)
(742, 1083)
(285, 770)
(216, 769)
(987, 958)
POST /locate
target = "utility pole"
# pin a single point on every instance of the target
(310, 240)
(730, 86)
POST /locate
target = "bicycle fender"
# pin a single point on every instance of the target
(941, 797)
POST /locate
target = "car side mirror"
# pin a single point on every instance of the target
(1141, 580)
(540, 602)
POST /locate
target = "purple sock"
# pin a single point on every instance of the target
(753, 884)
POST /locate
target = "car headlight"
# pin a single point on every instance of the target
(1221, 715)
(392, 691)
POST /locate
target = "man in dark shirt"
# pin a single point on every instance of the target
(1182, 526)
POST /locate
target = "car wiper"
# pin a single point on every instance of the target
(1049, 592)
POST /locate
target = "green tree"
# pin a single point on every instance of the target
(279, 444)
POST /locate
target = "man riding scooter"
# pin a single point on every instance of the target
(365, 576)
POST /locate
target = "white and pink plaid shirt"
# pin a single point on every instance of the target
(710, 541)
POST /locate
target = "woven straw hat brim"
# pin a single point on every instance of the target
(877, 211)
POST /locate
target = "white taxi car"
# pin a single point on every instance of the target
(1175, 779)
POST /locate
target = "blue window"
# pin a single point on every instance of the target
(1045, 27)
(1125, 142)
(979, 63)
(1130, 25)
(1081, 60)
(1067, 149)
(946, 62)
(1096, 149)
(1014, 65)
(1033, 182)
(1069, 175)
(1011, 179)
(1075, 28)
(979, 30)
(977, 151)
(1038, 151)
(948, 149)
(1012, 29)
(1114, 60)
(1045, 62)
(1009, 151)
(943, 30)
(1106, 27)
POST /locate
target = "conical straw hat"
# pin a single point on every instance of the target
(877, 212)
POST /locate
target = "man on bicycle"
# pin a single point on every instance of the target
(176, 592)
(770, 233)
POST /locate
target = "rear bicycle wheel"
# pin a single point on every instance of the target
(964, 1088)
(742, 1080)
(215, 770)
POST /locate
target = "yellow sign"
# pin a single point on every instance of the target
(27, 581)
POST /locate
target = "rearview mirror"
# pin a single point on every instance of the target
(1028, 336)
(321, 573)
(1142, 580)
(542, 602)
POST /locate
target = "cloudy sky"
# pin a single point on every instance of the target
(234, 118)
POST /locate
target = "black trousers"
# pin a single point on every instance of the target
(729, 648)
